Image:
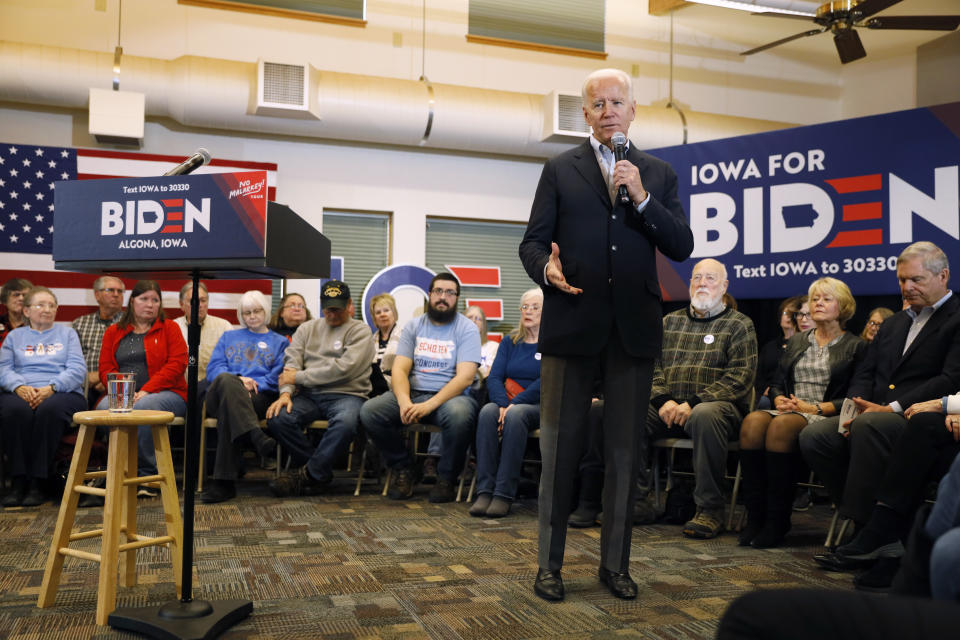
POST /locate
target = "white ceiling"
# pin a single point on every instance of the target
(744, 31)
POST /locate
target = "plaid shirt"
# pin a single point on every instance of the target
(91, 328)
(706, 359)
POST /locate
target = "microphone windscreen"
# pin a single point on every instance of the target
(619, 139)
(206, 154)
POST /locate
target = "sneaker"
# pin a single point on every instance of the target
(443, 491)
(430, 470)
(403, 482)
(802, 501)
(148, 492)
(298, 483)
(706, 523)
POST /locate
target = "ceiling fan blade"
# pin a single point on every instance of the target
(931, 23)
(770, 45)
(849, 46)
(791, 16)
(869, 7)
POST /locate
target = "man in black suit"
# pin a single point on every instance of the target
(595, 257)
(915, 357)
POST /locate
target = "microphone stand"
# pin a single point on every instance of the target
(186, 619)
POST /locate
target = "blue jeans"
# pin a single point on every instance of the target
(498, 464)
(457, 417)
(943, 526)
(159, 401)
(340, 410)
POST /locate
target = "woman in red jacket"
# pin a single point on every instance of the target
(146, 343)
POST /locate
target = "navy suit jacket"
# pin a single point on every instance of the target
(609, 252)
(929, 369)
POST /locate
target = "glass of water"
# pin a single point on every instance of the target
(120, 390)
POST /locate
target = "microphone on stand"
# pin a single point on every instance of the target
(619, 153)
(197, 160)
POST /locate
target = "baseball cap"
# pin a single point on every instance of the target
(334, 295)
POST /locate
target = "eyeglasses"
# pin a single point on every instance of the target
(295, 305)
(111, 290)
(44, 306)
(874, 323)
(802, 314)
(711, 278)
(450, 293)
(530, 307)
(252, 312)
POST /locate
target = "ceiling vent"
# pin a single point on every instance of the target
(563, 118)
(116, 117)
(283, 90)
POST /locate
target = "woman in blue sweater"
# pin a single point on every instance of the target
(504, 423)
(243, 372)
(41, 373)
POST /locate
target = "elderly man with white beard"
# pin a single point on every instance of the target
(701, 387)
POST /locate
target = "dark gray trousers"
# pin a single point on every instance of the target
(852, 468)
(567, 384)
(237, 412)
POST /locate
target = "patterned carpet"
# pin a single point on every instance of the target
(339, 567)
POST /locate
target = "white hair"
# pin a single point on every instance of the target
(599, 74)
(252, 299)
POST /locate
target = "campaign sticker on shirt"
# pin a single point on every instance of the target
(708, 339)
(536, 356)
(262, 344)
(28, 350)
(41, 350)
(337, 344)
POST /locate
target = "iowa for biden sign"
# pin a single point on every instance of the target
(841, 199)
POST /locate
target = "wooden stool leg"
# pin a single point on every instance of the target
(128, 505)
(171, 504)
(107, 584)
(68, 510)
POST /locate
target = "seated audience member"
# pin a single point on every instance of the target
(242, 376)
(488, 348)
(11, 296)
(915, 357)
(769, 356)
(804, 320)
(108, 291)
(146, 343)
(328, 365)
(386, 337)
(922, 454)
(291, 313)
(931, 567)
(874, 321)
(590, 496)
(41, 374)
(514, 411)
(810, 383)
(701, 387)
(211, 328)
(436, 362)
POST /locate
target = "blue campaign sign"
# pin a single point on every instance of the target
(171, 217)
(840, 199)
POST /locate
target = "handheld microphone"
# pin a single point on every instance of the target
(197, 160)
(619, 153)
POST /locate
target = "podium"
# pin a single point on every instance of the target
(210, 226)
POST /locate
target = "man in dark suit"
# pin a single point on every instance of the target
(915, 357)
(595, 257)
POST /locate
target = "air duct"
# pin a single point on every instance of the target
(222, 94)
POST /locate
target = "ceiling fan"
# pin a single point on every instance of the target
(841, 17)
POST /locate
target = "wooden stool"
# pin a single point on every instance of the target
(120, 505)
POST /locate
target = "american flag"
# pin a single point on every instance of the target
(27, 177)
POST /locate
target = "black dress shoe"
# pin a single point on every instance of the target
(620, 584)
(549, 585)
(837, 562)
(17, 493)
(218, 491)
(583, 517)
(879, 578)
(34, 498)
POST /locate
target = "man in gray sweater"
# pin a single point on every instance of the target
(326, 376)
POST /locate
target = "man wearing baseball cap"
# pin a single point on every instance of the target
(326, 376)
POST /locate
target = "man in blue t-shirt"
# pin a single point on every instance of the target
(436, 362)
